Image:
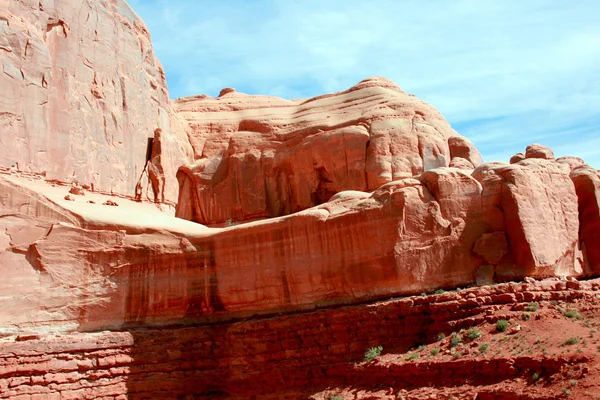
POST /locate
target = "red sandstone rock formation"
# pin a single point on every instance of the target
(367, 206)
(320, 354)
(81, 94)
(259, 156)
(131, 265)
(361, 195)
(587, 186)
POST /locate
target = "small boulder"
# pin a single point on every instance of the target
(517, 157)
(226, 91)
(77, 190)
(538, 151)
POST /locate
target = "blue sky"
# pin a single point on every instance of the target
(505, 73)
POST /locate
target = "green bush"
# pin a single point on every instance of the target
(455, 340)
(483, 348)
(532, 307)
(440, 291)
(441, 337)
(413, 356)
(535, 377)
(502, 325)
(373, 353)
(435, 351)
(571, 341)
(474, 334)
(573, 314)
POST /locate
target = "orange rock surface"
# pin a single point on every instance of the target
(82, 93)
(283, 208)
(259, 156)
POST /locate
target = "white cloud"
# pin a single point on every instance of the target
(504, 72)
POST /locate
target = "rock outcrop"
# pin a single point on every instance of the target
(82, 95)
(587, 186)
(359, 195)
(297, 356)
(128, 266)
(339, 200)
(259, 156)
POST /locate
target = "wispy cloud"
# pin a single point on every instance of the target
(505, 73)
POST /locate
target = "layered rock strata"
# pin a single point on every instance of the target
(291, 356)
(89, 266)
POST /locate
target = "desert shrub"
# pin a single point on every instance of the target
(440, 291)
(526, 317)
(435, 351)
(535, 377)
(573, 314)
(373, 353)
(532, 307)
(413, 356)
(474, 334)
(502, 325)
(455, 340)
(483, 348)
(441, 337)
(571, 341)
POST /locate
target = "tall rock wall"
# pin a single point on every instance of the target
(82, 93)
(84, 265)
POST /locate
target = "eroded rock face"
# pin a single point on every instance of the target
(259, 156)
(538, 151)
(82, 93)
(406, 237)
(587, 186)
(537, 201)
(373, 192)
(373, 196)
(443, 229)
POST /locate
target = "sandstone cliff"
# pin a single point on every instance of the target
(82, 93)
(359, 195)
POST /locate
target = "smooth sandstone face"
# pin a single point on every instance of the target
(81, 94)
